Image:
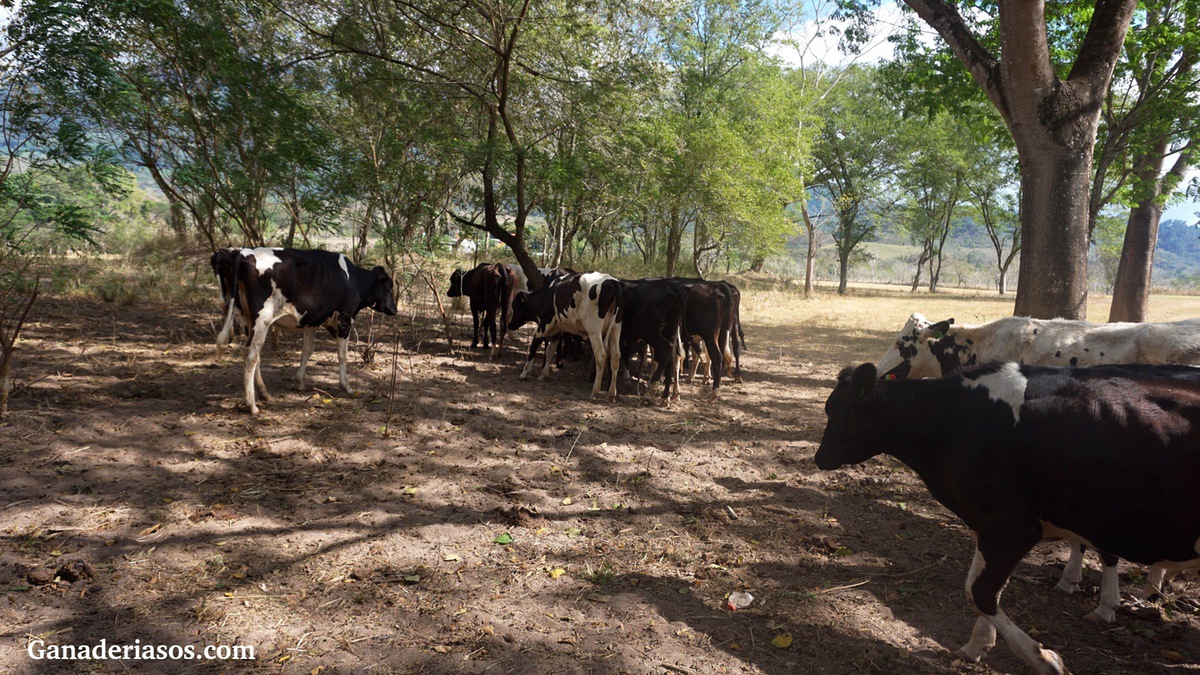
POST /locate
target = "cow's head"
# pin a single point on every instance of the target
(850, 435)
(918, 350)
(382, 299)
(457, 279)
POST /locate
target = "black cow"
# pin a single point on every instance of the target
(652, 314)
(303, 290)
(737, 339)
(708, 316)
(1022, 453)
(490, 288)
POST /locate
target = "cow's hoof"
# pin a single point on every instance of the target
(522, 377)
(1052, 663)
(264, 395)
(738, 379)
(1067, 586)
(970, 655)
(714, 396)
(1101, 615)
(253, 410)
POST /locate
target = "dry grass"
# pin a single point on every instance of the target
(885, 308)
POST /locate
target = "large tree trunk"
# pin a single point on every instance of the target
(1053, 122)
(1052, 282)
(843, 272)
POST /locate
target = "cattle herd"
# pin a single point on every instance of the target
(1025, 429)
(616, 318)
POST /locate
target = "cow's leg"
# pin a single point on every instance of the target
(533, 347)
(475, 328)
(599, 358)
(737, 353)
(259, 384)
(996, 555)
(1154, 582)
(343, 350)
(489, 327)
(1110, 592)
(306, 350)
(613, 349)
(1072, 572)
(715, 362)
(664, 355)
(675, 371)
(551, 343)
(498, 347)
(251, 374)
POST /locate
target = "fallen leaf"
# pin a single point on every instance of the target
(782, 641)
(503, 538)
(452, 557)
(556, 572)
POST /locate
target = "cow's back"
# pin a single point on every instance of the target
(1116, 436)
(316, 283)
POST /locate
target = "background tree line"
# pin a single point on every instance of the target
(671, 136)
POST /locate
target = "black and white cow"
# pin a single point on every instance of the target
(929, 349)
(587, 305)
(933, 349)
(1023, 453)
(303, 290)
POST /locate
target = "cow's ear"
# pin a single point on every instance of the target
(939, 329)
(863, 379)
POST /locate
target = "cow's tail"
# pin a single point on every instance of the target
(613, 299)
(226, 330)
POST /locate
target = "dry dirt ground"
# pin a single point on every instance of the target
(140, 502)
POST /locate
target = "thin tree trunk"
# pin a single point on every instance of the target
(1131, 288)
(9, 332)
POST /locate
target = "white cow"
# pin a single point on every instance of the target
(927, 349)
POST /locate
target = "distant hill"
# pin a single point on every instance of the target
(970, 260)
(1177, 257)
